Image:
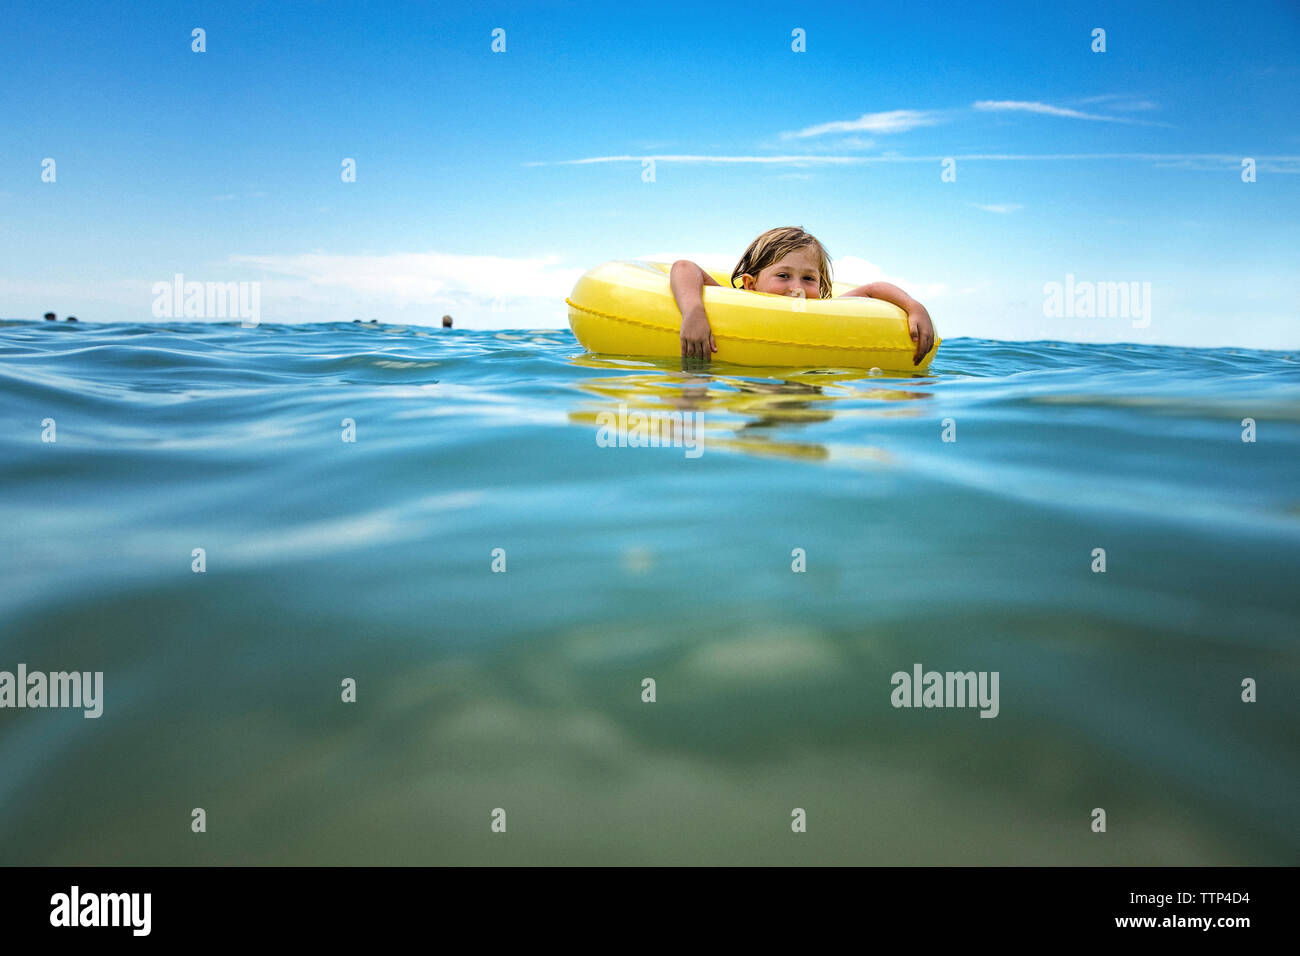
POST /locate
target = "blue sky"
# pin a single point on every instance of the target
(487, 182)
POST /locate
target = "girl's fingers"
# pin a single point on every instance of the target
(698, 349)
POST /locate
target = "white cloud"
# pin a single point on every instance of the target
(1033, 107)
(1046, 109)
(696, 158)
(419, 278)
(482, 292)
(1287, 165)
(711, 261)
(893, 121)
(859, 271)
(1120, 101)
(1001, 208)
(900, 158)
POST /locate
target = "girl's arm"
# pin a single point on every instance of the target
(919, 325)
(687, 281)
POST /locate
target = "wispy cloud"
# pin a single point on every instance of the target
(689, 158)
(1121, 101)
(1023, 106)
(1047, 109)
(1187, 158)
(425, 277)
(412, 288)
(1001, 208)
(892, 121)
(1286, 165)
(712, 261)
(859, 271)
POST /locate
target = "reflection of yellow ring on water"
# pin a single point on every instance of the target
(627, 308)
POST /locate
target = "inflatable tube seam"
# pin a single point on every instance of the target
(741, 338)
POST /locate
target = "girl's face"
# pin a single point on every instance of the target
(797, 274)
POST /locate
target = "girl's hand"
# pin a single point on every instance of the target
(921, 329)
(697, 337)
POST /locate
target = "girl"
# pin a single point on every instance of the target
(782, 261)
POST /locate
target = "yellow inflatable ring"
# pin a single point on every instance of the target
(627, 308)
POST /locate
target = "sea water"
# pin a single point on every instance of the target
(364, 594)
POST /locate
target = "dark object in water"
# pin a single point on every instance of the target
(446, 321)
(51, 317)
(71, 318)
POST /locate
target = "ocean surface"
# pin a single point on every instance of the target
(449, 520)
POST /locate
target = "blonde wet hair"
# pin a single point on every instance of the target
(773, 245)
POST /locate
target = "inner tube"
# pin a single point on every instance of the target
(626, 307)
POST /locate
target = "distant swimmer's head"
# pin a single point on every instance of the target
(785, 261)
